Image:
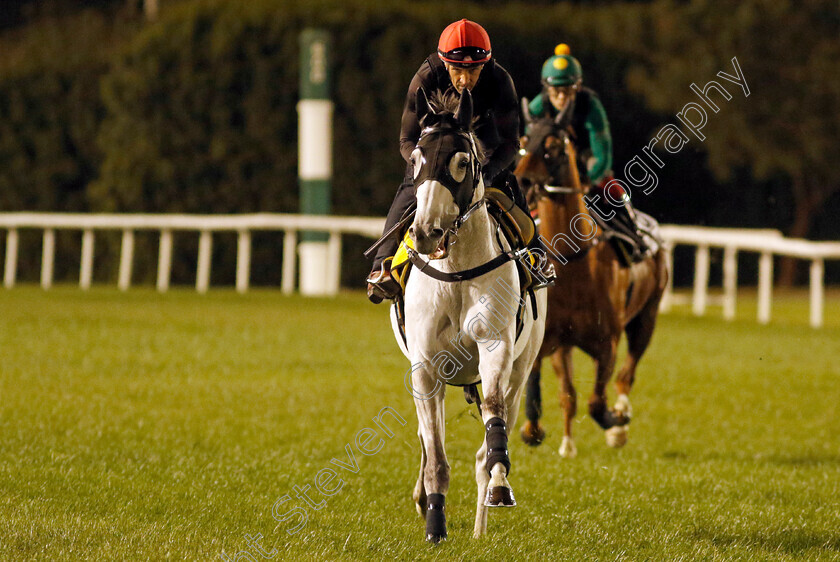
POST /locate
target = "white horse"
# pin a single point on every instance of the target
(460, 311)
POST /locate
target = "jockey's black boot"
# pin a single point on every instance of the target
(380, 284)
(624, 223)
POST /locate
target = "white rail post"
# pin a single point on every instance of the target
(205, 253)
(765, 286)
(126, 260)
(816, 293)
(701, 280)
(243, 260)
(667, 296)
(334, 262)
(86, 271)
(164, 260)
(730, 281)
(289, 261)
(10, 272)
(47, 258)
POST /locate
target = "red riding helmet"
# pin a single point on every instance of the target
(464, 43)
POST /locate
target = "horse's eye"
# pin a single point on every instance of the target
(417, 161)
(458, 166)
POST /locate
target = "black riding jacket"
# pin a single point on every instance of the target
(494, 104)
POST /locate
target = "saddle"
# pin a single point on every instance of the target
(632, 243)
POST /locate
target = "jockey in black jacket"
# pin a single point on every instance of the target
(463, 60)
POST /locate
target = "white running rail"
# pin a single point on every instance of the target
(766, 243)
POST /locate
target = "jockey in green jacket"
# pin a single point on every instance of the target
(586, 120)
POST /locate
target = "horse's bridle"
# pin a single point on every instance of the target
(464, 214)
(546, 190)
(448, 181)
(537, 148)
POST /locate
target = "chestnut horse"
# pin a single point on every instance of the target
(594, 298)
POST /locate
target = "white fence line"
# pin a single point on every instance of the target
(766, 243)
(205, 225)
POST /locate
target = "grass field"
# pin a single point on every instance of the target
(139, 426)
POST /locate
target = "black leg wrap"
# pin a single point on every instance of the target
(497, 450)
(435, 517)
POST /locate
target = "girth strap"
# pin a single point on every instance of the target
(472, 396)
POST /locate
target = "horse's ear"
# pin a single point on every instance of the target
(464, 114)
(422, 105)
(526, 111)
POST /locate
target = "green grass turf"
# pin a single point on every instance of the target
(139, 426)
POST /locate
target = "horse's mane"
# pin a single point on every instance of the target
(446, 104)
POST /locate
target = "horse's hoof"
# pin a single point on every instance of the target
(532, 433)
(499, 492)
(435, 539)
(567, 448)
(616, 436)
(499, 496)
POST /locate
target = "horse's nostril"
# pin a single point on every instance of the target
(411, 231)
(437, 232)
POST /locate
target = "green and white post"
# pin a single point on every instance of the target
(315, 112)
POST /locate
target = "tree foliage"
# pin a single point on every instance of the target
(788, 52)
(50, 111)
(196, 112)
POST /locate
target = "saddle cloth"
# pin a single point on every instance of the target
(649, 229)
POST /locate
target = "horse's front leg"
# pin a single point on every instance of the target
(495, 366)
(428, 400)
(561, 360)
(494, 485)
(598, 409)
